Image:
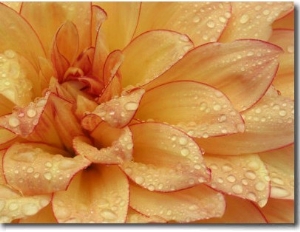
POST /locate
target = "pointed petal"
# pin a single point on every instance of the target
(17, 35)
(121, 22)
(164, 159)
(238, 211)
(6, 105)
(98, 17)
(262, 122)
(202, 22)
(284, 79)
(192, 204)
(279, 211)
(45, 215)
(13, 205)
(160, 49)
(34, 168)
(14, 5)
(242, 176)
(6, 135)
(280, 164)
(196, 108)
(117, 112)
(136, 217)
(254, 19)
(120, 151)
(286, 22)
(47, 17)
(87, 202)
(236, 69)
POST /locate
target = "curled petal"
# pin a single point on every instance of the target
(119, 152)
(135, 217)
(196, 108)
(98, 17)
(118, 111)
(272, 114)
(243, 176)
(199, 202)
(254, 20)
(280, 164)
(238, 211)
(236, 69)
(13, 205)
(164, 158)
(160, 49)
(99, 194)
(202, 21)
(286, 22)
(34, 168)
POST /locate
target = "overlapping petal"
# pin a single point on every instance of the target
(188, 205)
(198, 109)
(135, 217)
(164, 158)
(235, 68)
(45, 215)
(99, 194)
(34, 168)
(286, 22)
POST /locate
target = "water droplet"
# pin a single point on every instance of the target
(250, 175)
(205, 135)
(197, 166)
(108, 214)
(282, 113)
(290, 49)
(260, 186)
(231, 178)
(139, 180)
(67, 164)
(185, 152)
(253, 165)
(196, 19)
(30, 170)
(193, 207)
(278, 192)
(266, 12)
(222, 118)
(210, 24)
(151, 187)
(30, 209)
(277, 180)
(226, 168)
(222, 19)
(238, 189)
(217, 107)
(13, 206)
(31, 113)
(251, 196)
(183, 141)
(220, 180)
(48, 176)
(130, 106)
(244, 18)
(13, 121)
(48, 165)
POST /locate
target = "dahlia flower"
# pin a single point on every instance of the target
(147, 112)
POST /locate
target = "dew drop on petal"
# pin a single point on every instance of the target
(260, 186)
(226, 168)
(185, 152)
(31, 113)
(108, 214)
(139, 180)
(30, 209)
(130, 106)
(13, 206)
(250, 175)
(278, 192)
(244, 19)
(231, 178)
(13, 122)
(210, 24)
(48, 176)
(238, 189)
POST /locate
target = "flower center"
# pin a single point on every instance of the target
(13, 82)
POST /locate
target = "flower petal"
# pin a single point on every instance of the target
(39, 13)
(284, 80)
(236, 69)
(2, 178)
(238, 211)
(242, 176)
(262, 122)
(121, 23)
(196, 108)
(87, 202)
(17, 35)
(187, 205)
(98, 17)
(254, 19)
(119, 152)
(117, 112)
(164, 158)
(34, 168)
(14, 5)
(45, 215)
(202, 21)
(6, 135)
(286, 22)
(279, 211)
(136, 217)
(166, 48)
(13, 205)
(280, 164)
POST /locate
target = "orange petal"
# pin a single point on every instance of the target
(237, 69)
(279, 211)
(117, 112)
(192, 204)
(45, 215)
(280, 164)
(98, 17)
(34, 168)
(284, 79)
(286, 22)
(119, 152)
(136, 217)
(6, 105)
(238, 211)
(14, 5)
(47, 17)
(196, 108)
(6, 135)
(13, 205)
(17, 35)
(167, 47)
(97, 195)
(202, 22)
(242, 176)
(122, 18)
(164, 158)
(254, 19)
(83, 105)
(269, 125)
(2, 178)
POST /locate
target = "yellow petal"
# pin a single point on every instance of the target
(243, 70)
(45, 215)
(196, 108)
(242, 176)
(188, 205)
(164, 158)
(14, 205)
(99, 194)
(34, 168)
(254, 19)
(160, 49)
(202, 22)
